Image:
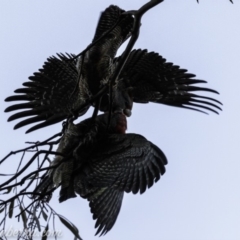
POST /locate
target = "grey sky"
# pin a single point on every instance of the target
(198, 198)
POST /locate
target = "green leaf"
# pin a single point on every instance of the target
(24, 217)
(45, 233)
(11, 207)
(45, 216)
(37, 222)
(70, 226)
(4, 175)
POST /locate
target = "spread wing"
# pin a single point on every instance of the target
(129, 162)
(105, 205)
(117, 163)
(51, 95)
(152, 79)
(56, 91)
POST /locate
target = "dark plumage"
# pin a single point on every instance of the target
(63, 85)
(99, 59)
(102, 164)
(51, 96)
(60, 88)
(147, 77)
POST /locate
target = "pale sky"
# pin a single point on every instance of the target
(198, 198)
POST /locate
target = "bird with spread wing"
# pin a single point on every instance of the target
(98, 160)
(100, 163)
(64, 84)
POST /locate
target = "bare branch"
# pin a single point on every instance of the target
(28, 211)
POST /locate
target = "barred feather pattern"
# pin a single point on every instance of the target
(51, 95)
(65, 83)
(102, 162)
(148, 77)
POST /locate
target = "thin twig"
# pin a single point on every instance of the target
(45, 142)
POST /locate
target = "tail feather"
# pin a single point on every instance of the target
(105, 206)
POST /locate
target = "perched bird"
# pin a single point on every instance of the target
(99, 59)
(101, 163)
(146, 77)
(64, 84)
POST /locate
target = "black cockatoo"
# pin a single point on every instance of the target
(101, 163)
(63, 85)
